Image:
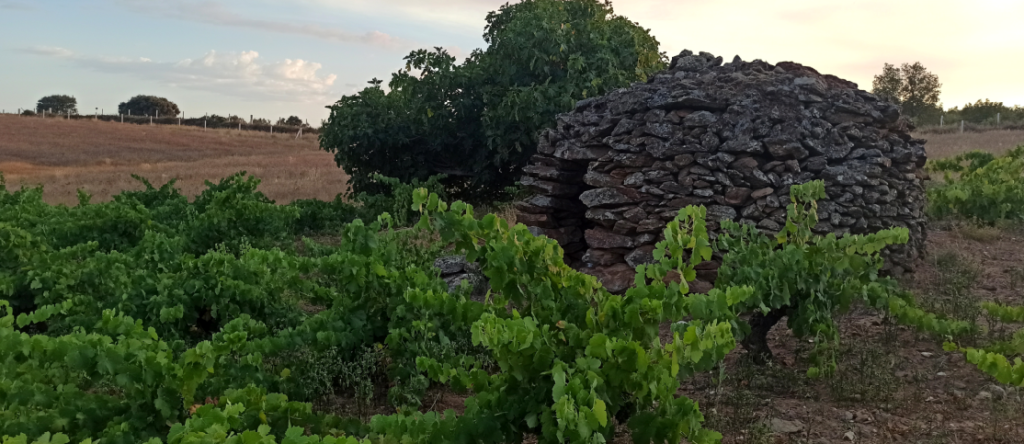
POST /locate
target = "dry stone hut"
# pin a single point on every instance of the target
(732, 137)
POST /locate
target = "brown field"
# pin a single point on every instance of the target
(99, 157)
(995, 141)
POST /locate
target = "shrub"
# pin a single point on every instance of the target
(477, 122)
(979, 186)
(806, 277)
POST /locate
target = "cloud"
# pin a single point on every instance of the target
(239, 74)
(214, 13)
(14, 5)
(51, 51)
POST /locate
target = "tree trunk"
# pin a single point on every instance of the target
(756, 343)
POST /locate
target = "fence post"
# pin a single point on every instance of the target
(941, 118)
(204, 124)
(997, 118)
(961, 127)
(271, 128)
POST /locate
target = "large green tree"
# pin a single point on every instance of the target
(58, 103)
(477, 122)
(142, 105)
(912, 87)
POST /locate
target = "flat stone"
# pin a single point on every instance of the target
(744, 165)
(596, 256)
(635, 214)
(624, 227)
(640, 255)
(737, 195)
(742, 146)
(602, 216)
(450, 264)
(615, 278)
(762, 192)
(785, 148)
(609, 196)
(601, 238)
(601, 180)
(783, 426)
(699, 118)
(542, 220)
(575, 152)
(721, 212)
(647, 225)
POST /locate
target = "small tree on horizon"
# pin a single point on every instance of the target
(912, 87)
(58, 103)
(143, 105)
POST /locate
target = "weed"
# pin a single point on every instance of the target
(979, 233)
(866, 373)
(951, 294)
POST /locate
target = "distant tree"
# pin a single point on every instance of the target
(148, 106)
(887, 84)
(58, 103)
(28, 112)
(912, 87)
(980, 111)
(260, 121)
(290, 121)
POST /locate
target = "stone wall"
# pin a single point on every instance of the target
(732, 137)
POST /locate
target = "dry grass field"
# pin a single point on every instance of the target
(995, 141)
(99, 157)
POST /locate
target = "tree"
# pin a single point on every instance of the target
(912, 87)
(290, 121)
(142, 105)
(887, 84)
(58, 103)
(986, 111)
(477, 122)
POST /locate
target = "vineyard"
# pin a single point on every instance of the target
(153, 318)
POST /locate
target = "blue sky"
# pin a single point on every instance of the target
(276, 58)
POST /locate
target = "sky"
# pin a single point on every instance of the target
(275, 58)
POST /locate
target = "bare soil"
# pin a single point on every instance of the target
(994, 141)
(100, 157)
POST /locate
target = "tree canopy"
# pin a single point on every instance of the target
(477, 122)
(290, 121)
(58, 103)
(142, 105)
(912, 87)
